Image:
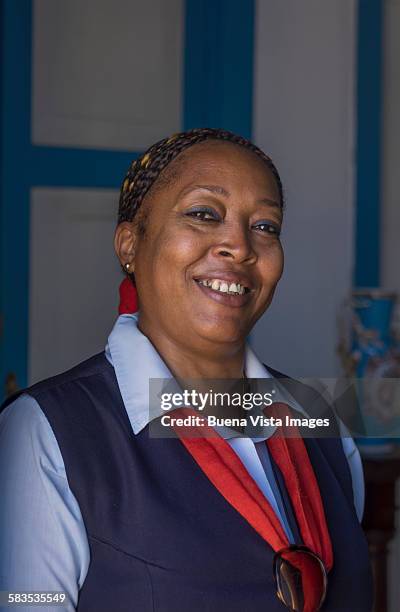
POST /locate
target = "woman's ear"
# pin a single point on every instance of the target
(124, 244)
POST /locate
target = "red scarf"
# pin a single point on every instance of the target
(227, 473)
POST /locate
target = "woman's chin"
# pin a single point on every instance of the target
(221, 331)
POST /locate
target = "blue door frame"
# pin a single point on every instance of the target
(218, 86)
(368, 143)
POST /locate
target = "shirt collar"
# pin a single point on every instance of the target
(135, 361)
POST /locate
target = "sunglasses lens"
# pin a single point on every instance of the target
(300, 579)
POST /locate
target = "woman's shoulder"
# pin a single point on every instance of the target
(89, 367)
(21, 414)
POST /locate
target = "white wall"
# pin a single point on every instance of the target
(74, 277)
(304, 118)
(100, 69)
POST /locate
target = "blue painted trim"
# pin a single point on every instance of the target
(14, 194)
(1, 141)
(368, 143)
(58, 167)
(219, 41)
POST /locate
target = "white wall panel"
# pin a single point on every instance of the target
(106, 73)
(304, 99)
(74, 277)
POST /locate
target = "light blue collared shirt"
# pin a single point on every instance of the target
(43, 540)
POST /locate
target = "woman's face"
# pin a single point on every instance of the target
(216, 221)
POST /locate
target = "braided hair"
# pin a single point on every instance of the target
(144, 171)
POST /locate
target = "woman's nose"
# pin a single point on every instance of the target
(234, 242)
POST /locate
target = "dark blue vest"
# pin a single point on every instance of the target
(161, 537)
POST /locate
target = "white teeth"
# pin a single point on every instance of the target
(223, 287)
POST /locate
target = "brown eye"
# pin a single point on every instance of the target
(268, 228)
(203, 214)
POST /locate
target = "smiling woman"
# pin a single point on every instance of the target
(119, 519)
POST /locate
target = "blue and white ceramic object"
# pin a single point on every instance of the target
(375, 356)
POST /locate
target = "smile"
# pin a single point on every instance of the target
(223, 287)
(229, 294)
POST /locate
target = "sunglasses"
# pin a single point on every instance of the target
(301, 579)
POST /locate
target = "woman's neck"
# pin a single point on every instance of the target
(206, 360)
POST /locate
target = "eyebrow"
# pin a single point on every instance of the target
(217, 189)
(270, 202)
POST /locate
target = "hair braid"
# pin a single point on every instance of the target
(144, 171)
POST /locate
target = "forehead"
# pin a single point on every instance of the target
(215, 155)
(218, 161)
